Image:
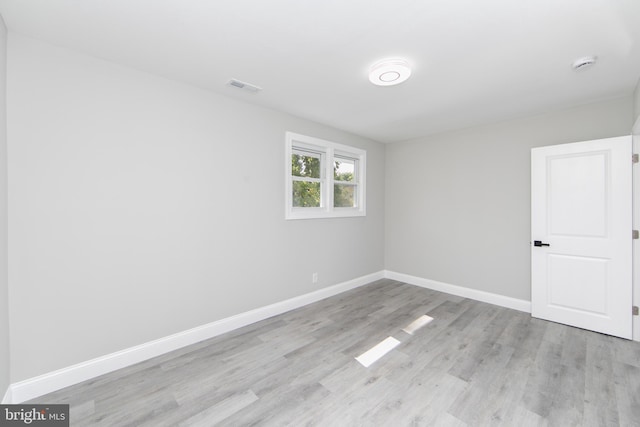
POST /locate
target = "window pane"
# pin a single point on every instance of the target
(344, 169)
(303, 165)
(306, 194)
(344, 196)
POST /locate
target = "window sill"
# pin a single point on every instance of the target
(321, 213)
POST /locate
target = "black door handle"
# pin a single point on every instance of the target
(539, 243)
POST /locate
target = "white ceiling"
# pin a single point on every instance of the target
(474, 61)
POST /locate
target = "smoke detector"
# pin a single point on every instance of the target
(389, 72)
(584, 63)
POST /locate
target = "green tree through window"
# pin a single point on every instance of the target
(343, 188)
(306, 192)
(323, 179)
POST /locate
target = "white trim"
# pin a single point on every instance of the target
(636, 127)
(636, 226)
(491, 298)
(7, 399)
(52, 381)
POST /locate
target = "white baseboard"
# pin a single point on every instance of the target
(496, 299)
(7, 399)
(33, 387)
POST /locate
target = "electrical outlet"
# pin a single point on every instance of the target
(314, 278)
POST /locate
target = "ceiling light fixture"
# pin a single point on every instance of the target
(584, 63)
(389, 72)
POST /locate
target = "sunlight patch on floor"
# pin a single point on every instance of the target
(417, 324)
(370, 356)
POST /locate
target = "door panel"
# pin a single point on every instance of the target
(581, 207)
(578, 194)
(589, 273)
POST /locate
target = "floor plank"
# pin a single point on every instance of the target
(475, 364)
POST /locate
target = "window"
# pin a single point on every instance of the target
(323, 179)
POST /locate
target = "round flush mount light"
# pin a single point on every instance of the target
(389, 72)
(584, 63)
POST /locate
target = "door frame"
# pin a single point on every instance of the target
(636, 226)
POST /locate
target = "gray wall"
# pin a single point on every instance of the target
(141, 207)
(458, 203)
(4, 303)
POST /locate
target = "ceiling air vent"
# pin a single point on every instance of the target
(584, 63)
(244, 86)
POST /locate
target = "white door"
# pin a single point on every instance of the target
(581, 235)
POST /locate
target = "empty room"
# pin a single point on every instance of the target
(355, 213)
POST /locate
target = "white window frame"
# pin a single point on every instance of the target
(328, 152)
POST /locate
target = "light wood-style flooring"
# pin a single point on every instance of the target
(475, 364)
